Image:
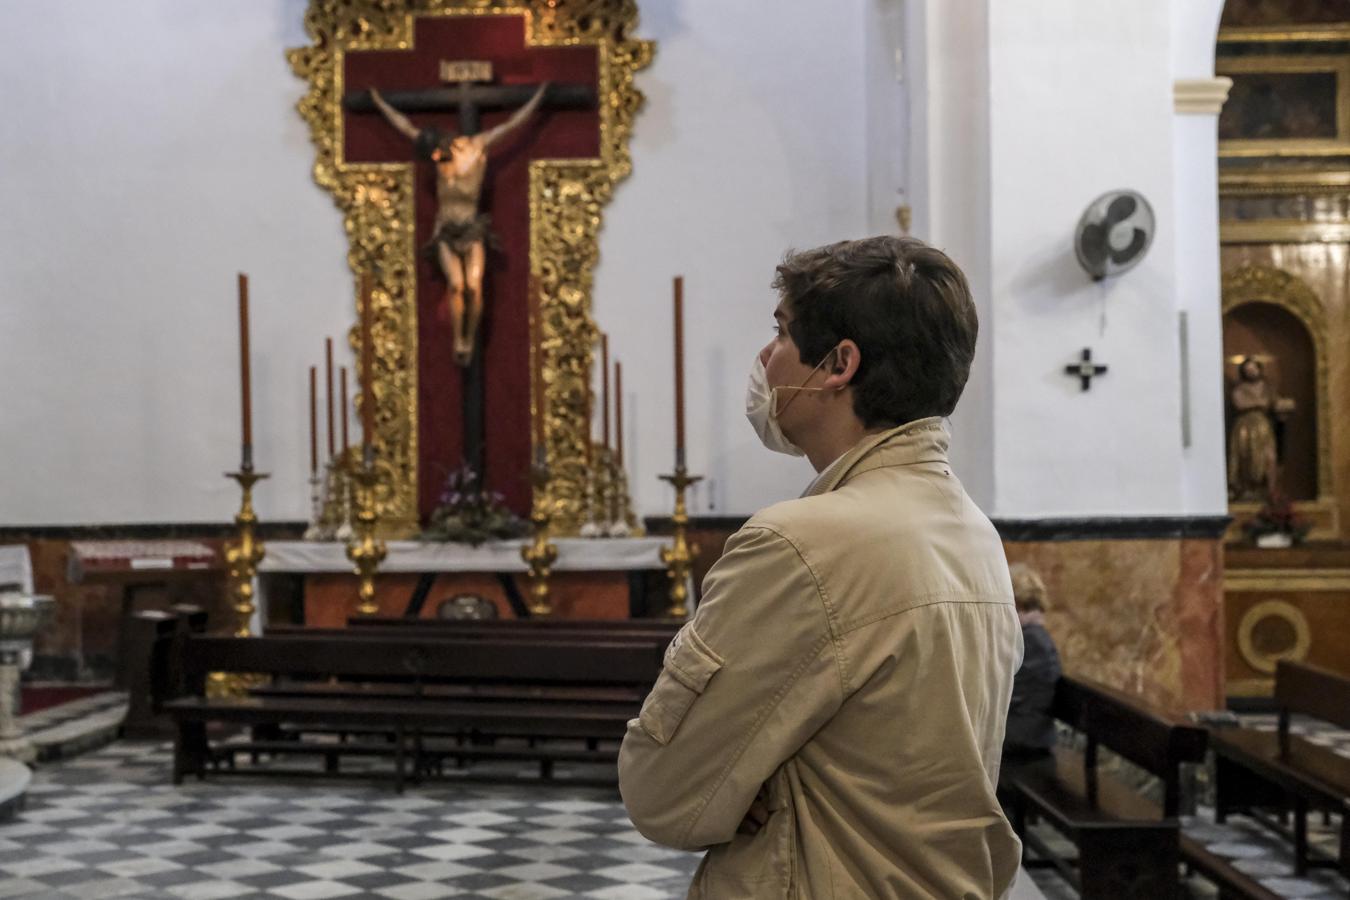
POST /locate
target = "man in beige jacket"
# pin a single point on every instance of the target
(829, 723)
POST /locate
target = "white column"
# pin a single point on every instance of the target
(1197, 97)
(947, 77)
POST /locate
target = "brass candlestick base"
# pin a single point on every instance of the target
(679, 556)
(364, 550)
(540, 553)
(344, 466)
(242, 556)
(316, 496)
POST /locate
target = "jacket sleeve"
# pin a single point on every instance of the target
(744, 685)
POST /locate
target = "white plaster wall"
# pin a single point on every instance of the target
(190, 163)
(1196, 176)
(118, 253)
(752, 141)
(1081, 103)
(947, 73)
(149, 150)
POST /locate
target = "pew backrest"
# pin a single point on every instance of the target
(486, 661)
(1311, 691)
(540, 624)
(1151, 739)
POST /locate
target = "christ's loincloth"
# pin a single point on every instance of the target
(460, 237)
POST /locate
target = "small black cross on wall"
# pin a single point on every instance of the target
(1085, 369)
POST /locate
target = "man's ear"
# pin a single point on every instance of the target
(844, 366)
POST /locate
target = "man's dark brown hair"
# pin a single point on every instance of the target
(908, 308)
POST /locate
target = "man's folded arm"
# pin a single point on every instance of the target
(744, 685)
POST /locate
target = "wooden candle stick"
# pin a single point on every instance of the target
(679, 372)
(604, 389)
(537, 371)
(367, 366)
(328, 395)
(245, 379)
(618, 413)
(342, 381)
(313, 420)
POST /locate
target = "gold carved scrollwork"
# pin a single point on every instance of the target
(1267, 284)
(566, 199)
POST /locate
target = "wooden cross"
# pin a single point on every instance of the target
(469, 95)
(1085, 369)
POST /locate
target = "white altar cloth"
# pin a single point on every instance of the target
(574, 555)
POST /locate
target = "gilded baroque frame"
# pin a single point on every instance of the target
(1289, 65)
(1267, 284)
(566, 198)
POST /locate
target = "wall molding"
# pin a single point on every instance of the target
(1100, 528)
(1200, 96)
(1113, 528)
(9, 534)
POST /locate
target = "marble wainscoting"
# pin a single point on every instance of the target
(81, 642)
(1140, 613)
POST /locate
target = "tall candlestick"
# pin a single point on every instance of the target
(679, 370)
(328, 396)
(618, 412)
(342, 381)
(313, 420)
(245, 376)
(604, 385)
(367, 368)
(537, 368)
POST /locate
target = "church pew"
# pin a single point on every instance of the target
(442, 628)
(1128, 846)
(610, 631)
(1257, 770)
(537, 625)
(432, 668)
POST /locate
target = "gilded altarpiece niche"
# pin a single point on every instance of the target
(542, 305)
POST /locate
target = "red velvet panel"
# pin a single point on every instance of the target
(504, 334)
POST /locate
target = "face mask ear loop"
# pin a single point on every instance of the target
(773, 392)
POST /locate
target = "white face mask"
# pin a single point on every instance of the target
(761, 403)
(761, 407)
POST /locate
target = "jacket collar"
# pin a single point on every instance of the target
(923, 440)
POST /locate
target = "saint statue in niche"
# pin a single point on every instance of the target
(462, 232)
(1253, 449)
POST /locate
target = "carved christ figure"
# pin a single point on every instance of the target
(1253, 464)
(462, 231)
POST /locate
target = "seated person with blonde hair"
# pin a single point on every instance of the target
(1031, 727)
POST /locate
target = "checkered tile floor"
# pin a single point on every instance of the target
(109, 824)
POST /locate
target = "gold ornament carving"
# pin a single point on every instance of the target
(1265, 616)
(1267, 284)
(566, 199)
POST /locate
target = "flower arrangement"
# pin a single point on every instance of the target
(471, 515)
(1277, 517)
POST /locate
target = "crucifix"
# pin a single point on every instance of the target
(463, 233)
(1085, 369)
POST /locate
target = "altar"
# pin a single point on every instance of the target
(470, 155)
(312, 582)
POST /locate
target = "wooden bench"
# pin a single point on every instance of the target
(534, 626)
(1256, 770)
(1128, 846)
(508, 629)
(408, 687)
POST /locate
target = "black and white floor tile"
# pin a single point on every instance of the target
(109, 824)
